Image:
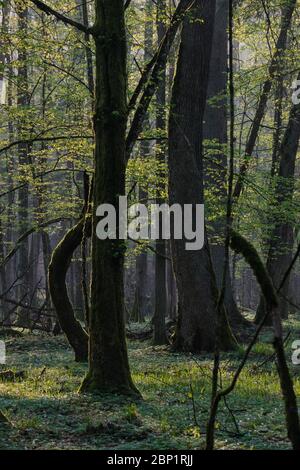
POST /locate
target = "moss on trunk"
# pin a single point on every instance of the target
(58, 267)
(108, 360)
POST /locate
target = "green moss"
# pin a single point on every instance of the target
(242, 246)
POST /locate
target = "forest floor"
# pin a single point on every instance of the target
(46, 412)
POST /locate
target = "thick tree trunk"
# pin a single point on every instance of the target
(108, 360)
(215, 130)
(196, 283)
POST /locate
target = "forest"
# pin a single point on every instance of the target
(149, 227)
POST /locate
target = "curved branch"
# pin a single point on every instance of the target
(58, 268)
(25, 235)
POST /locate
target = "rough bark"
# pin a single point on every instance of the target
(196, 283)
(215, 130)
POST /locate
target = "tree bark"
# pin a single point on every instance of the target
(58, 268)
(196, 283)
(108, 360)
(159, 323)
(215, 130)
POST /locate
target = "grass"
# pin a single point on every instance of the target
(46, 412)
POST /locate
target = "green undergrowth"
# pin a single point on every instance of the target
(45, 411)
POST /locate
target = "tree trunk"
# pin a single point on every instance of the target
(159, 326)
(108, 360)
(286, 20)
(3, 282)
(140, 307)
(58, 268)
(282, 239)
(215, 130)
(196, 284)
(23, 200)
(141, 301)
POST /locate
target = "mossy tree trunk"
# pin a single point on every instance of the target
(58, 268)
(108, 361)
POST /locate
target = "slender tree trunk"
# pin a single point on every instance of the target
(3, 283)
(23, 199)
(282, 239)
(88, 51)
(196, 283)
(286, 20)
(140, 304)
(215, 130)
(159, 327)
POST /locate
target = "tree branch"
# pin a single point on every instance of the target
(59, 16)
(25, 235)
(157, 63)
